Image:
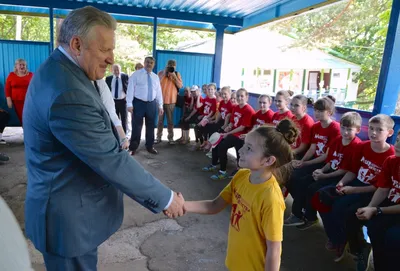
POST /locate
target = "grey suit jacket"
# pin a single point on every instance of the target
(76, 169)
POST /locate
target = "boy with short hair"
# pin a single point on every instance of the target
(340, 151)
(383, 213)
(357, 185)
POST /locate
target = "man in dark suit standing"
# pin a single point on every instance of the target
(75, 166)
(118, 84)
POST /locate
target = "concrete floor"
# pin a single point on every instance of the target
(152, 242)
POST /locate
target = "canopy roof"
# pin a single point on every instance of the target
(236, 15)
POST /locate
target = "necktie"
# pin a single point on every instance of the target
(149, 88)
(97, 87)
(116, 88)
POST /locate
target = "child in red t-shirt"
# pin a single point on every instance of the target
(186, 110)
(322, 133)
(298, 106)
(196, 113)
(282, 100)
(209, 105)
(357, 186)
(264, 115)
(223, 115)
(240, 123)
(340, 152)
(383, 211)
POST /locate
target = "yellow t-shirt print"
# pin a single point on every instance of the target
(256, 215)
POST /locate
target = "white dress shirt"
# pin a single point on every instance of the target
(137, 88)
(121, 93)
(108, 101)
(158, 97)
(14, 254)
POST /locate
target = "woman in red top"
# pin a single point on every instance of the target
(17, 85)
(240, 123)
(282, 100)
(304, 123)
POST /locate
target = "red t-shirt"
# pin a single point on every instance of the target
(199, 109)
(341, 156)
(210, 105)
(277, 117)
(304, 125)
(262, 118)
(188, 101)
(225, 108)
(390, 178)
(367, 164)
(242, 117)
(322, 137)
(16, 87)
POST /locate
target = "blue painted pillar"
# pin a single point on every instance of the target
(219, 45)
(154, 38)
(51, 18)
(389, 80)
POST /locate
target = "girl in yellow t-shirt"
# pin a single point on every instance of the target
(256, 224)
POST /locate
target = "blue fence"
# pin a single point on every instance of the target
(33, 52)
(195, 69)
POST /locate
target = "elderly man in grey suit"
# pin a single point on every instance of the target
(76, 169)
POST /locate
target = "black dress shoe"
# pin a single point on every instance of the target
(152, 150)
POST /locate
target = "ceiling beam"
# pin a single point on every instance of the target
(129, 10)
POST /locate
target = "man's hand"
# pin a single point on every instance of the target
(130, 109)
(177, 206)
(125, 145)
(160, 111)
(366, 213)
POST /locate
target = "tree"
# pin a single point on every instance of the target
(134, 42)
(354, 30)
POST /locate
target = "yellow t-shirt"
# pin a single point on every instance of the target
(256, 216)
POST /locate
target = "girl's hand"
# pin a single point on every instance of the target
(224, 135)
(297, 163)
(9, 102)
(242, 136)
(347, 190)
(339, 187)
(318, 175)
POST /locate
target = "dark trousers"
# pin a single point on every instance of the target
(214, 127)
(87, 262)
(146, 110)
(193, 120)
(342, 208)
(221, 150)
(120, 109)
(297, 186)
(384, 233)
(4, 118)
(310, 213)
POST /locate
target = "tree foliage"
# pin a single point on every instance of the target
(354, 30)
(134, 42)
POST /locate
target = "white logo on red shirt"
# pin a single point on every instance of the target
(236, 118)
(394, 193)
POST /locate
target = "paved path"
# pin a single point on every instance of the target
(152, 242)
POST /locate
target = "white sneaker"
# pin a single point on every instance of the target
(3, 142)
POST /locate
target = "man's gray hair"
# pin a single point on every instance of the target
(80, 22)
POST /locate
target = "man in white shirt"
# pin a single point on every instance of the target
(118, 84)
(143, 97)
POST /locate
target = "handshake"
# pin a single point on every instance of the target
(177, 206)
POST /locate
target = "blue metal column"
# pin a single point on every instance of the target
(389, 80)
(154, 37)
(51, 17)
(219, 45)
